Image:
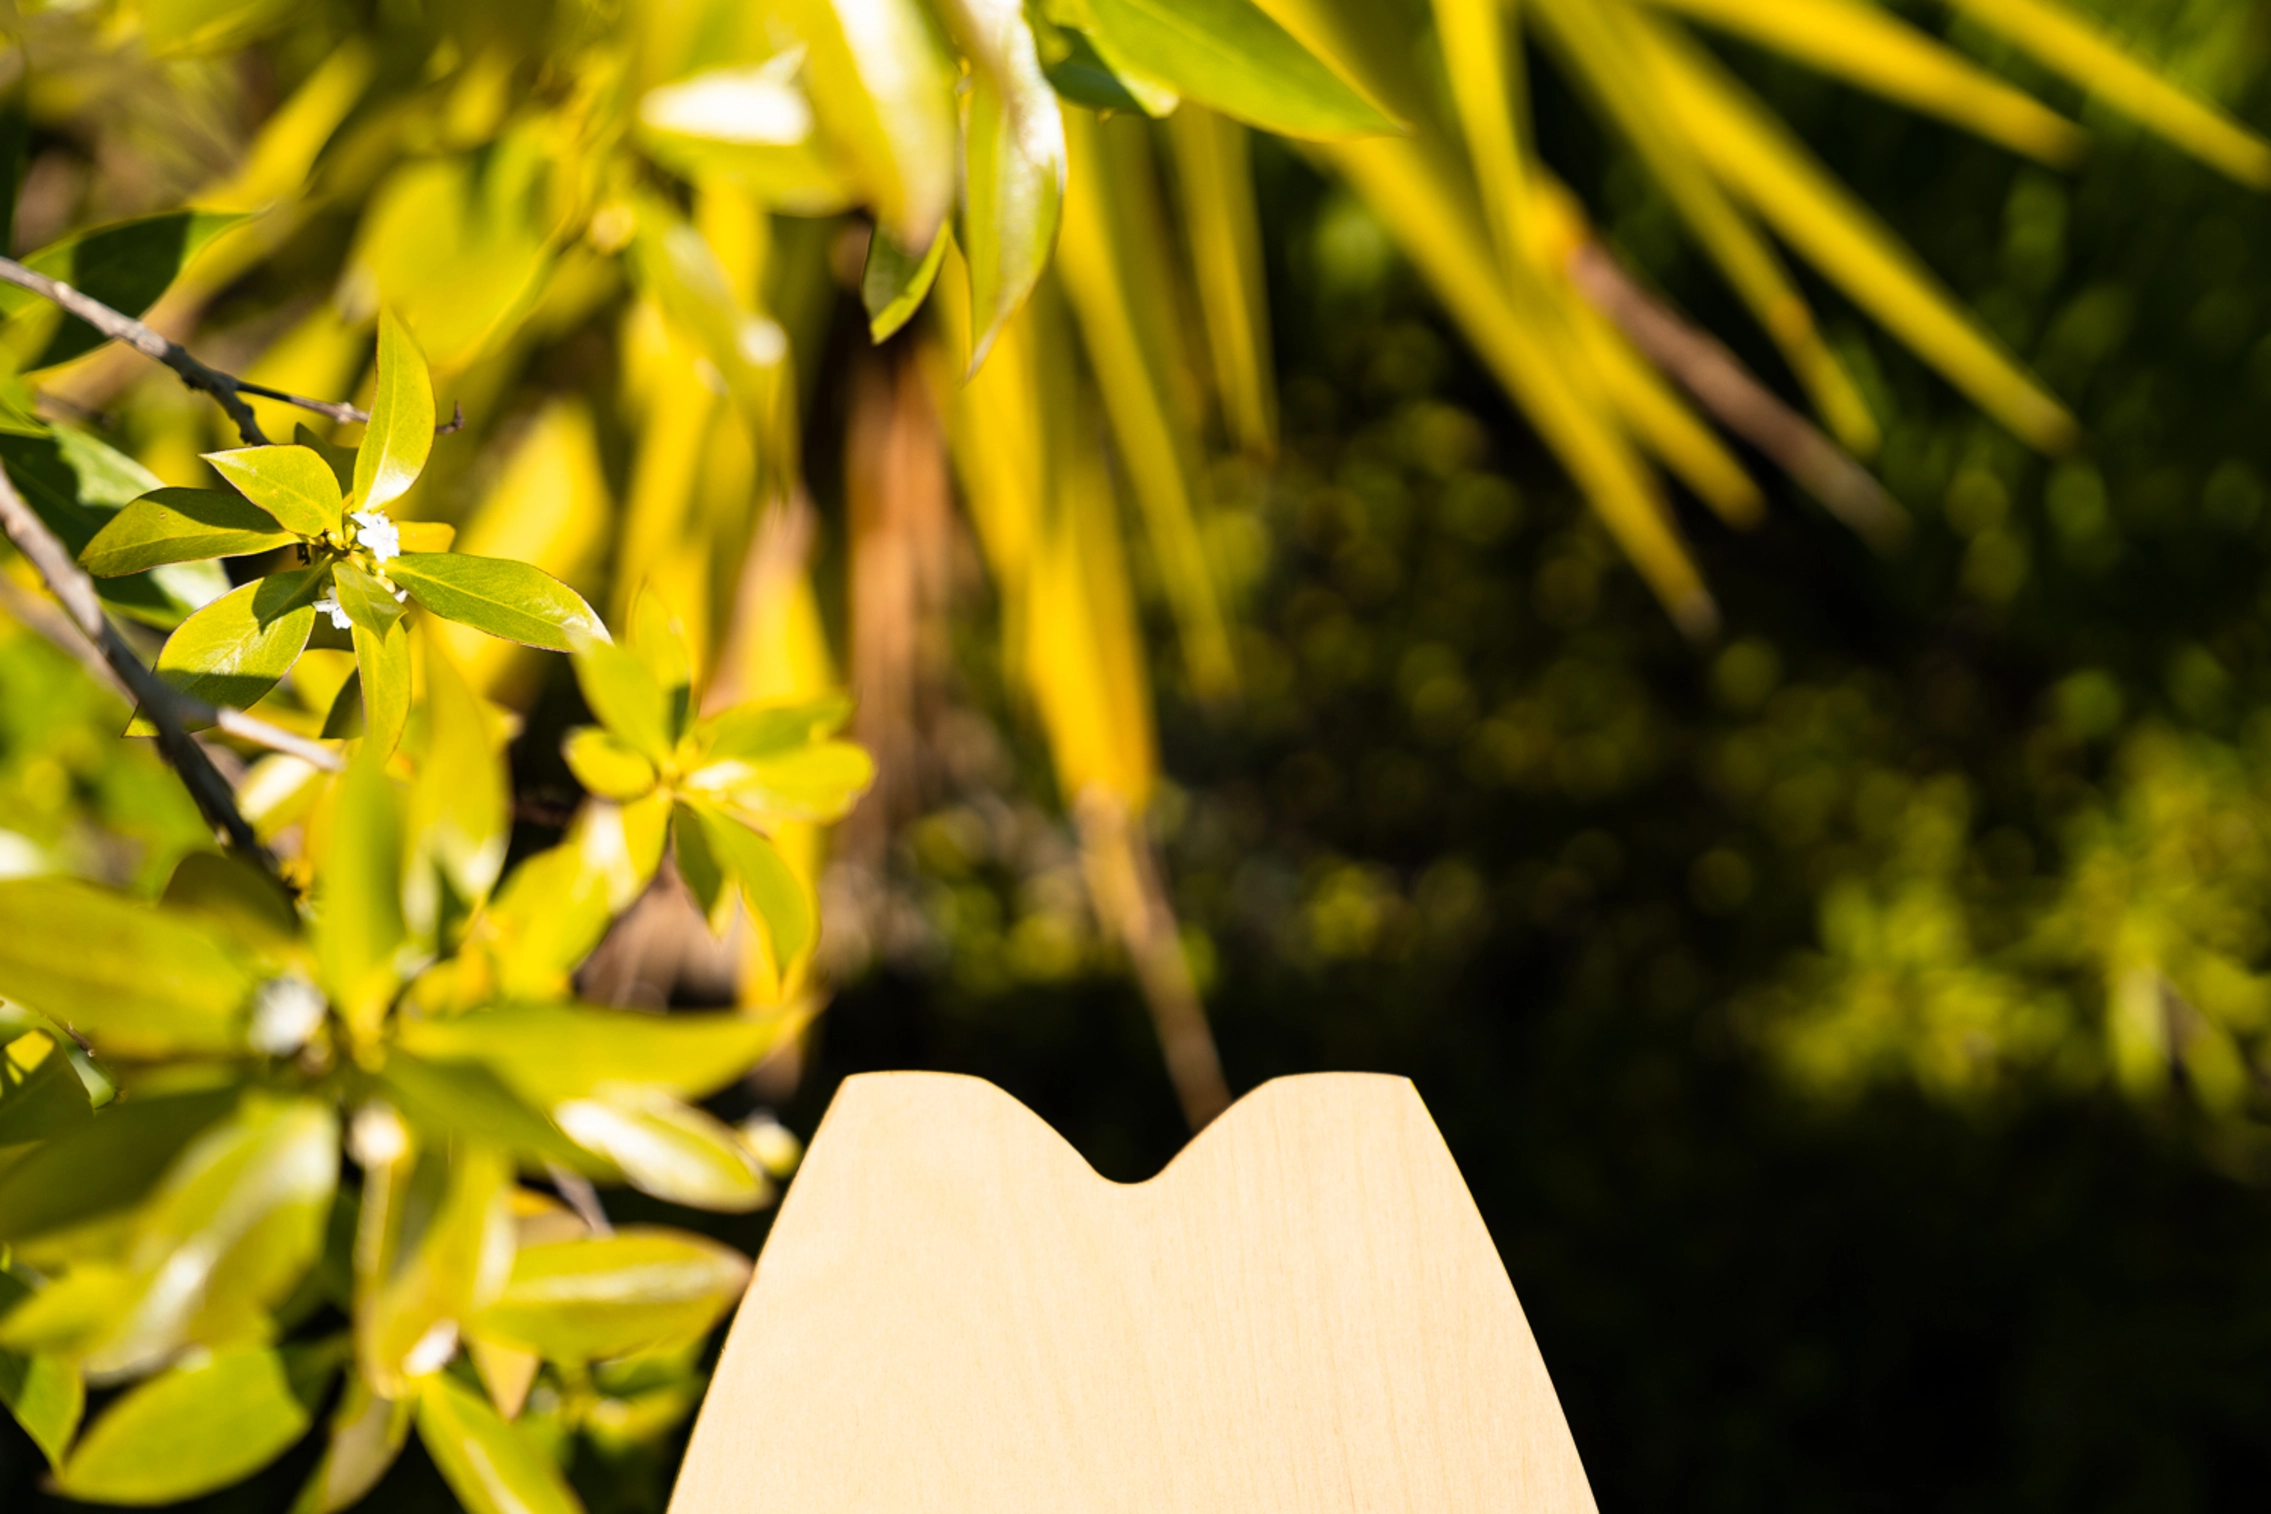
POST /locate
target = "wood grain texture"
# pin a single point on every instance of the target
(1303, 1314)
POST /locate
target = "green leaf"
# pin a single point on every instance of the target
(359, 929)
(492, 1466)
(382, 653)
(750, 126)
(894, 285)
(188, 1431)
(819, 782)
(884, 94)
(294, 484)
(625, 697)
(641, 1289)
(1079, 73)
(40, 1092)
(1232, 56)
(344, 720)
(234, 894)
(233, 651)
(761, 729)
(460, 801)
(44, 1393)
(433, 1244)
(658, 640)
(497, 595)
(605, 766)
(700, 868)
(554, 1052)
(778, 898)
(126, 266)
(401, 430)
(342, 459)
(224, 1236)
(669, 1149)
(180, 525)
(137, 981)
(470, 1101)
(367, 1434)
(77, 485)
(1013, 172)
(104, 1166)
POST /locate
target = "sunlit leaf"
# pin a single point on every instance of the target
(492, 1466)
(1232, 56)
(135, 980)
(359, 929)
(367, 1434)
(469, 1100)
(105, 1165)
(781, 901)
(893, 285)
(750, 125)
(401, 429)
(126, 266)
(382, 653)
(40, 1093)
(605, 766)
(623, 693)
(293, 484)
(762, 728)
(44, 1393)
(460, 801)
(555, 1052)
(669, 1149)
(77, 485)
(233, 651)
(189, 1430)
(425, 535)
(641, 1289)
(882, 90)
(180, 525)
(1215, 181)
(497, 595)
(1013, 184)
(234, 894)
(433, 1244)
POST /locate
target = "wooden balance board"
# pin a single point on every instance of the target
(1303, 1314)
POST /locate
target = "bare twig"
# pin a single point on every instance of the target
(168, 708)
(1722, 385)
(142, 339)
(227, 389)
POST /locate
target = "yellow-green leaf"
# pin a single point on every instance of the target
(497, 595)
(761, 728)
(460, 802)
(293, 484)
(188, 1431)
(135, 980)
(818, 782)
(883, 92)
(104, 1166)
(44, 1393)
(469, 1101)
(433, 1244)
(780, 900)
(180, 525)
(605, 766)
(359, 929)
(382, 653)
(233, 651)
(550, 1053)
(126, 266)
(367, 1433)
(894, 285)
(1232, 56)
(641, 1289)
(624, 695)
(492, 1466)
(669, 1149)
(401, 429)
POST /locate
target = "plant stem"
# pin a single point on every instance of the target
(169, 709)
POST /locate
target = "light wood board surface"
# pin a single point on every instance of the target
(1303, 1314)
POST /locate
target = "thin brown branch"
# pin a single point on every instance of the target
(1720, 383)
(576, 1191)
(223, 387)
(168, 708)
(227, 390)
(1124, 882)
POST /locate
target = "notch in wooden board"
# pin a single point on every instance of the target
(1303, 1314)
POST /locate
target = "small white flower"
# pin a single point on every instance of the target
(376, 533)
(284, 1014)
(329, 605)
